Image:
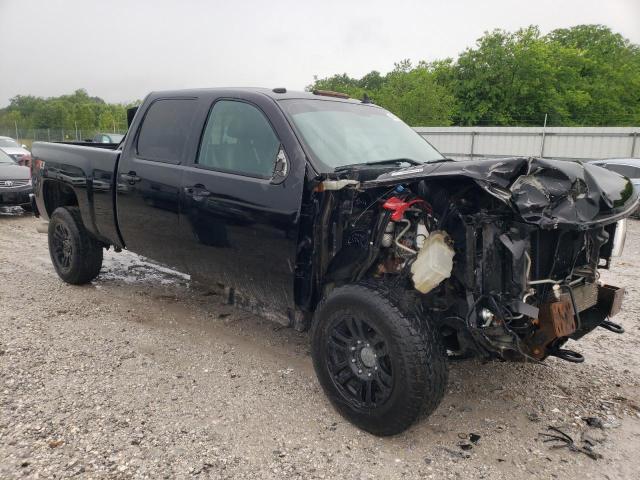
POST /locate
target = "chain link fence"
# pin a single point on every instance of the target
(27, 136)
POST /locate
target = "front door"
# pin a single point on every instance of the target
(240, 224)
(149, 180)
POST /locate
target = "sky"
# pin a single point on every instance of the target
(122, 49)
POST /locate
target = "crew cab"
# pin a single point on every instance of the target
(329, 213)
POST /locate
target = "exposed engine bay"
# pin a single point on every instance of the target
(504, 260)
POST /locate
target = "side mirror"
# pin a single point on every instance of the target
(281, 168)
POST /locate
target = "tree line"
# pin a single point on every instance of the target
(584, 75)
(69, 112)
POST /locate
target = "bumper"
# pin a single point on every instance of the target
(15, 196)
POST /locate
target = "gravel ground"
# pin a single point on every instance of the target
(143, 375)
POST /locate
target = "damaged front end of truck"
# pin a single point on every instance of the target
(503, 256)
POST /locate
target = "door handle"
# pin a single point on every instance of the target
(131, 178)
(198, 191)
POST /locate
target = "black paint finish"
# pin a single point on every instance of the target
(245, 232)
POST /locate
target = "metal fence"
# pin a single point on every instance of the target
(459, 142)
(583, 143)
(29, 135)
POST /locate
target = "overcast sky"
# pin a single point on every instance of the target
(120, 50)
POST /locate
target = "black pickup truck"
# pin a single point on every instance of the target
(329, 213)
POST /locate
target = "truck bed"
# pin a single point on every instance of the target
(88, 172)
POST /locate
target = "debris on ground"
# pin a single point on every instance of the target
(565, 441)
(594, 422)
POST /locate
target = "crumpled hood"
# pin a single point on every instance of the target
(549, 193)
(14, 172)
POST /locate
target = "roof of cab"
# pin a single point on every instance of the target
(264, 91)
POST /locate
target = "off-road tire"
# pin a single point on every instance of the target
(418, 359)
(84, 259)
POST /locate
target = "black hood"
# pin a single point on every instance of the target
(549, 193)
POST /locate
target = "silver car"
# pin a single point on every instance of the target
(16, 151)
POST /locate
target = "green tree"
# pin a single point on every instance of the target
(584, 75)
(65, 112)
(410, 92)
(605, 75)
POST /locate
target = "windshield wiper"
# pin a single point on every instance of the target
(391, 161)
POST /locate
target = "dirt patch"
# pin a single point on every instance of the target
(143, 375)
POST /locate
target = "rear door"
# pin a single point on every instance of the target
(240, 223)
(150, 177)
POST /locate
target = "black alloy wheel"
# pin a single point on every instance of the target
(359, 362)
(76, 255)
(62, 247)
(381, 366)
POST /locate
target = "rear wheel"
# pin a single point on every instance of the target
(380, 366)
(76, 255)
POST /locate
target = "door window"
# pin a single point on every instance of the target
(165, 129)
(238, 139)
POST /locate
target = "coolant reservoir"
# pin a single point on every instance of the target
(434, 262)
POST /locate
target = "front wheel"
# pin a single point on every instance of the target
(76, 255)
(380, 366)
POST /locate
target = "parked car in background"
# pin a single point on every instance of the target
(107, 138)
(15, 183)
(16, 151)
(628, 167)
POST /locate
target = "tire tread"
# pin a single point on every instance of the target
(88, 249)
(423, 354)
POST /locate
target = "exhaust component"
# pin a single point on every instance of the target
(387, 238)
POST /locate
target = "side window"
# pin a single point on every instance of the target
(165, 129)
(239, 139)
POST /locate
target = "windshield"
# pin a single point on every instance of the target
(5, 159)
(340, 133)
(8, 142)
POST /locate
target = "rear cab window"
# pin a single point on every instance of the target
(165, 130)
